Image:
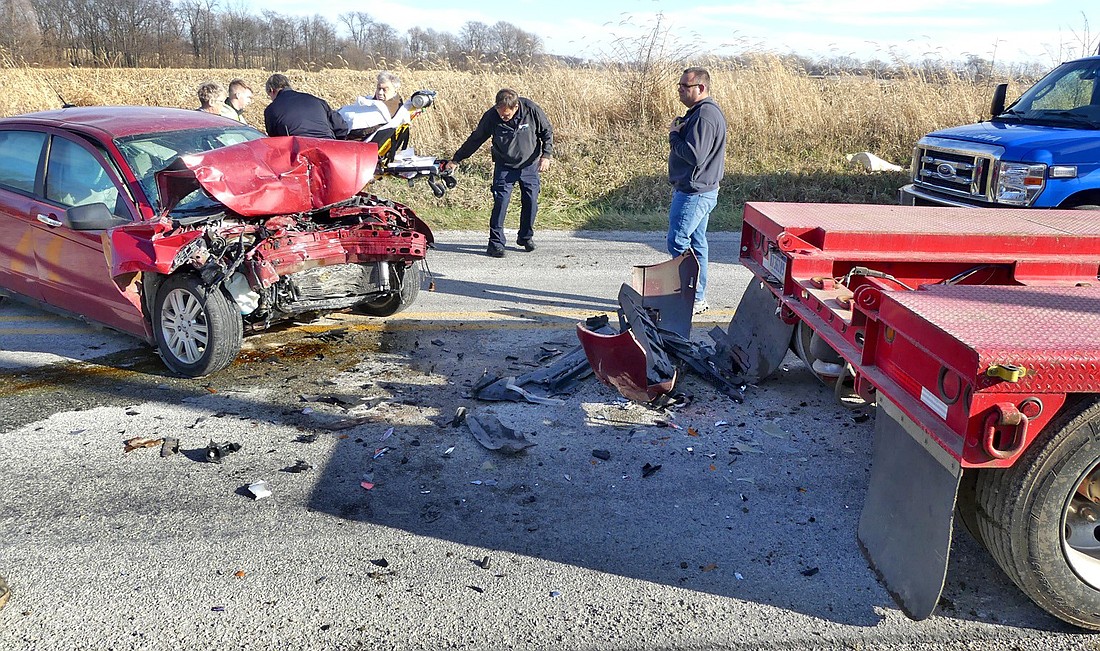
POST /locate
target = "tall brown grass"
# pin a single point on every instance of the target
(788, 133)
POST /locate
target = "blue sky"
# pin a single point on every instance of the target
(1045, 31)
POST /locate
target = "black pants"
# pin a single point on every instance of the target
(503, 180)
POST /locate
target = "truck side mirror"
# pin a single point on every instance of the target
(997, 106)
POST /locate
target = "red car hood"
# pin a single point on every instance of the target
(272, 176)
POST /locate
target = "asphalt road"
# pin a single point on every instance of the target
(743, 538)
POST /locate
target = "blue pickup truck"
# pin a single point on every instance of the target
(1042, 151)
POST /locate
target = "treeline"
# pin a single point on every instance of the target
(205, 34)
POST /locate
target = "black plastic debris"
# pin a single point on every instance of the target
(215, 452)
(380, 562)
(603, 455)
(346, 400)
(476, 589)
(648, 469)
(335, 334)
(485, 563)
(346, 423)
(494, 435)
(544, 382)
(301, 466)
(810, 572)
(306, 438)
(459, 417)
(437, 342)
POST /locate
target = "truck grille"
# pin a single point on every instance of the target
(963, 174)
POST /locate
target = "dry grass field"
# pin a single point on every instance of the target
(788, 133)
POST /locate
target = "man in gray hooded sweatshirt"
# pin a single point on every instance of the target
(696, 163)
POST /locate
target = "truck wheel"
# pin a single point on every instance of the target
(198, 329)
(1037, 522)
(408, 280)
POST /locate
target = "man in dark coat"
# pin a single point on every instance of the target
(292, 113)
(696, 165)
(523, 144)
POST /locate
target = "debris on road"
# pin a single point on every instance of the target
(459, 417)
(345, 423)
(215, 452)
(169, 447)
(604, 455)
(557, 378)
(301, 466)
(259, 490)
(141, 442)
(494, 435)
(642, 359)
(648, 469)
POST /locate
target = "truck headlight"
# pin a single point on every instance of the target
(1019, 183)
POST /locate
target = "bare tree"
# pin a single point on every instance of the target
(280, 39)
(19, 31)
(240, 34)
(513, 43)
(385, 42)
(357, 23)
(475, 38)
(199, 21)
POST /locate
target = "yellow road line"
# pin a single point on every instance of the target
(428, 321)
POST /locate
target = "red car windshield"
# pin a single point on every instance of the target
(149, 153)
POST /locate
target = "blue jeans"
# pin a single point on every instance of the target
(687, 229)
(503, 180)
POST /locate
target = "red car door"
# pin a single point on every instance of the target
(20, 159)
(72, 271)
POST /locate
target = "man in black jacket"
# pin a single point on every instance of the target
(523, 144)
(292, 113)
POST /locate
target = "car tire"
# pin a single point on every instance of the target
(198, 329)
(408, 279)
(1036, 525)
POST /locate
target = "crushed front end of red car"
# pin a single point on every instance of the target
(278, 226)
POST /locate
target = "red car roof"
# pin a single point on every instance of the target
(121, 121)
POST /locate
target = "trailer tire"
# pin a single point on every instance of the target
(966, 504)
(1027, 516)
(394, 302)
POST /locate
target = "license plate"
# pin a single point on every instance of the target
(776, 263)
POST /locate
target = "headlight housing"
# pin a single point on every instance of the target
(1019, 183)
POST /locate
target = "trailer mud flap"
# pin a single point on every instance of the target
(905, 527)
(756, 340)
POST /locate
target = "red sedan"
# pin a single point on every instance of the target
(187, 229)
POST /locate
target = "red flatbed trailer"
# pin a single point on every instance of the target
(976, 332)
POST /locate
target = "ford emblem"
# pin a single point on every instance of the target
(946, 170)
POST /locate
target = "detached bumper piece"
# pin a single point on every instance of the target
(642, 360)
